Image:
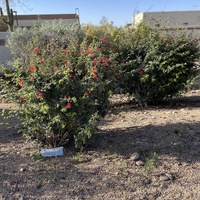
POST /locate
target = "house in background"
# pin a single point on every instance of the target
(29, 21)
(171, 20)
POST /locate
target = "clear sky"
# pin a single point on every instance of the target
(120, 12)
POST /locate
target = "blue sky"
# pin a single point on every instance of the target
(120, 12)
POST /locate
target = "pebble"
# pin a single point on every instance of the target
(146, 181)
(140, 163)
(171, 177)
(22, 169)
(164, 178)
(135, 156)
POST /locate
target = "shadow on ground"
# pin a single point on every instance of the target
(179, 140)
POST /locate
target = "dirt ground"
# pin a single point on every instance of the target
(166, 139)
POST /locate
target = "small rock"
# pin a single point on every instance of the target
(147, 181)
(22, 169)
(164, 178)
(1, 155)
(140, 163)
(171, 177)
(135, 156)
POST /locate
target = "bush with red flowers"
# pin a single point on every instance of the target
(156, 67)
(62, 86)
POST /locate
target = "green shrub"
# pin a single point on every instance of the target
(157, 66)
(61, 84)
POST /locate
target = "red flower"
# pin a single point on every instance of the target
(56, 71)
(20, 83)
(31, 68)
(40, 95)
(20, 99)
(69, 106)
(72, 76)
(93, 68)
(89, 51)
(66, 51)
(141, 73)
(95, 75)
(95, 61)
(103, 40)
(36, 49)
(103, 59)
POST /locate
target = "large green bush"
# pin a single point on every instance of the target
(155, 65)
(61, 84)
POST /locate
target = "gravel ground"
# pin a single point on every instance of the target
(138, 153)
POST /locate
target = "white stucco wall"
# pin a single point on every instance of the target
(169, 18)
(175, 19)
(5, 54)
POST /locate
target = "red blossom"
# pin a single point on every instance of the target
(36, 49)
(89, 51)
(20, 83)
(95, 75)
(103, 59)
(40, 95)
(95, 61)
(66, 51)
(20, 99)
(141, 73)
(69, 106)
(56, 71)
(32, 68)
(72, 76)
(93, 68)
(103, 40)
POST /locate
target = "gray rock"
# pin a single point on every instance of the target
(140, 163)
(171, 177)
(22, 170)
(135, 156)
(164, 178)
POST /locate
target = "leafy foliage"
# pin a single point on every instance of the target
(61, 83)
(62, 76)
(157, 66)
